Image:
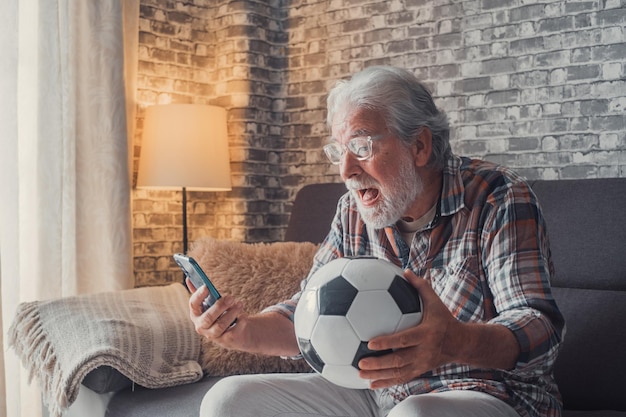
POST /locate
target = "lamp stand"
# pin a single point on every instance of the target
(185, 241)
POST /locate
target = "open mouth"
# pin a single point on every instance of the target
(368, 196)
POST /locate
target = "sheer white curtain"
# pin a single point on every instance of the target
(65, 224)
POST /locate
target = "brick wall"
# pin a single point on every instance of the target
(223, 53)
(538, 86)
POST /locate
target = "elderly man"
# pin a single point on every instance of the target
(472, 240)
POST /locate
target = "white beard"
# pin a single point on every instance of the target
(394, 199)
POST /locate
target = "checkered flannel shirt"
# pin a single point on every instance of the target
(487, 256)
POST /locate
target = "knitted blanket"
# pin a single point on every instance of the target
(144, 333)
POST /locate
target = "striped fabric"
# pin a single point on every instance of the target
(487, 256)
(145, 333)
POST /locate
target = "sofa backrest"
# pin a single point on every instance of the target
(587, 228)
(312, 212)
(586, 221)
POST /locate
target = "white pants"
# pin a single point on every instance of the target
(310, 395)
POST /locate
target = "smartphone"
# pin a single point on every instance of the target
(198, 278)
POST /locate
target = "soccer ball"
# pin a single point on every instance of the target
(345, 303)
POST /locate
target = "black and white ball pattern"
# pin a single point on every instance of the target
(346, 303)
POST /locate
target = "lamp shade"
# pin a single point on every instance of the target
(185, 145)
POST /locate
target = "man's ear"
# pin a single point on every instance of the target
(423, 147)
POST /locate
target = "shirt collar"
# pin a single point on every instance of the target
(453, 190)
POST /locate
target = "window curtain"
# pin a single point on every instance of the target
(66, 82)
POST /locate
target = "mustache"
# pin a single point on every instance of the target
(353, 184)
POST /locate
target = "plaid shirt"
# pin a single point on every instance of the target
(487, 256)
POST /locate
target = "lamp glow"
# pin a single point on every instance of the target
(185, 146)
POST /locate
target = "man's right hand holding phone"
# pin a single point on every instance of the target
(266, 333)
(216, 323)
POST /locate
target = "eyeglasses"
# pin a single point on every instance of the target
(360, 147)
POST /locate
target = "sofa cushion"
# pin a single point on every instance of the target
(179, 401)
(585, 221)
(592, 316)
(590, 413)
(259, 275)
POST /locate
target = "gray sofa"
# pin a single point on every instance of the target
(587, 228)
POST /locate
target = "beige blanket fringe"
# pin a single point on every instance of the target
(144, 333)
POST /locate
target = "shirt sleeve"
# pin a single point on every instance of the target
(330, 249)
(517, 261)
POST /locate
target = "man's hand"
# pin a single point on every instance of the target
(265, 333)
(215, 322)
(416, 350)
(438, 340)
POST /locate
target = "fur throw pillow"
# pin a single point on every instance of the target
(259, 275)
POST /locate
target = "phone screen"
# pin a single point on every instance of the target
(198, 278)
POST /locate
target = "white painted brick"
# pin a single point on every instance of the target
(378, 21)
(445, 88)
(612, 35)
(164, 98)
(550, 174)
(355, 67)
(609, 141)
(570, 108)
(144, 52)
(533, 111)
(554, 120)
(476, 100)
(513, 113)
(240, 100)
(500, 82)
(613, 4)
(313, 47)
(549, 143)
(527, 29)
(396, 6)
(444, 57)
(558, 76)
(618, 105)
(467, 132)
(479, 21)
(500, 49)
(609, 89)
(240, 71)
(611, 71)
(528, 95)
(453, 117)
(498, 145)
(471, 69)
(553, 42)
(445, 26)
(472, 6)
(554, 9)
(378, 50)
(608, 171)
(473, 37)
(525, 63)
(493, 129)
(552, 109)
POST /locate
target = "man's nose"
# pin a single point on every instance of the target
(349, 166)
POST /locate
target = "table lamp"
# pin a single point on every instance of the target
(185, 146)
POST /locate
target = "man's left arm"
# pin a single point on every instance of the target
(528, 327)
(438, 340)
(516, 260)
